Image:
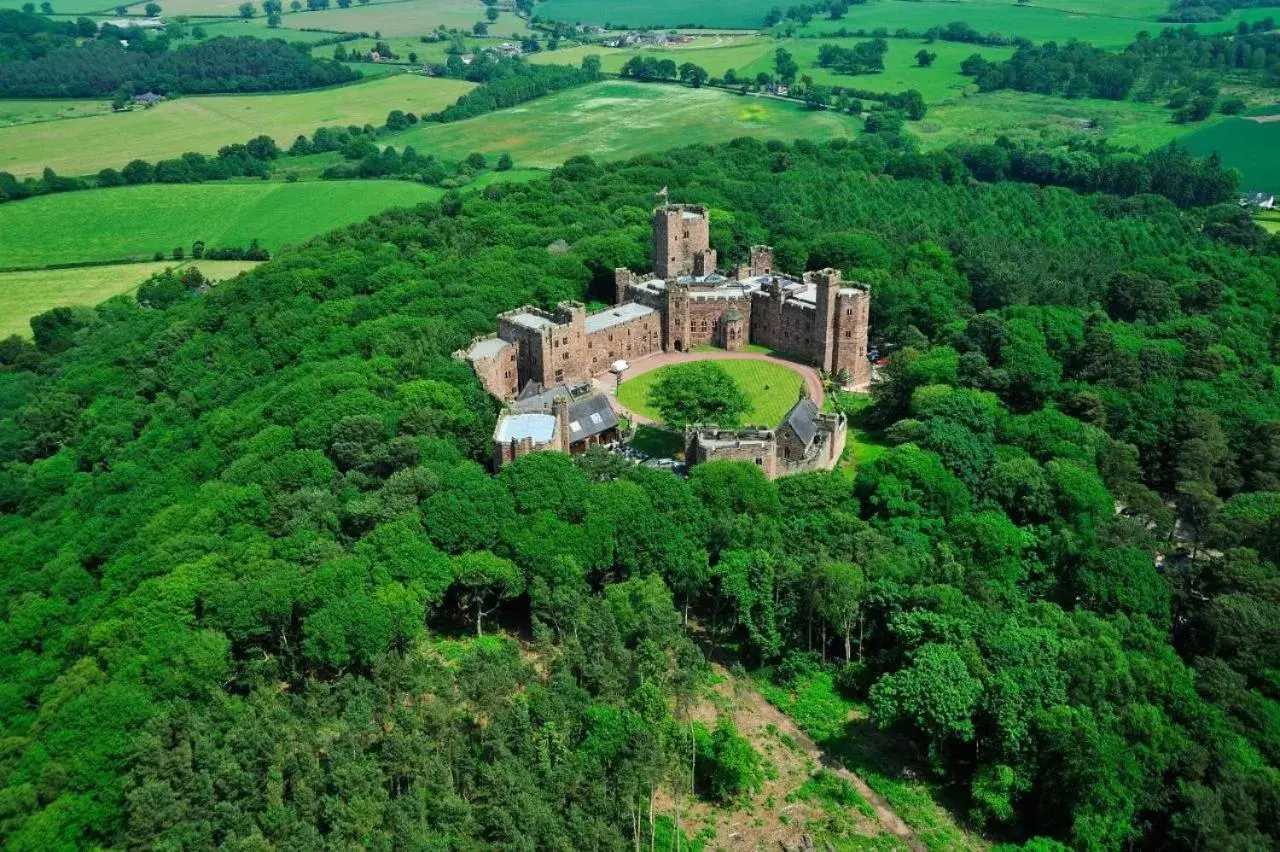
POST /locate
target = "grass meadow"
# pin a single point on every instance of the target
(1022, 115)
(204, 124)
(618, 119)
(404, 18)
(771, 388)
(32, 111)
(134, 222)
(1106, 23)
(1252, 147)
(750, 55)
(25, 294)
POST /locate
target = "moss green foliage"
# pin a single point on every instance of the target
(238, 522)
(728, 765)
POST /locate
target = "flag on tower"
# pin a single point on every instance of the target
(662, 192)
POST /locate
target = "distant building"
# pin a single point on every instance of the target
(141, 23)
(148, 99)
(807, 439)
(1260, 200)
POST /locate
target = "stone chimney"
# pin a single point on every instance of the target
(761, 260)
(622, 279)
(560, 408)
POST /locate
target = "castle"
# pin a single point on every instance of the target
(684, 302)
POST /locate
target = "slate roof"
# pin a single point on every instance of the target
(801, 418)
(616, 316)
(539, 427)
(590, 416)
(487, 348)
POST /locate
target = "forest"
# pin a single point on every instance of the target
(249, 530)
(100, 68)
(1177, 62)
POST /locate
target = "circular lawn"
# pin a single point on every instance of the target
(770, 387)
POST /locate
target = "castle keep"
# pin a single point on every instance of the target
(683, 302)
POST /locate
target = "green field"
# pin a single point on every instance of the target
(1025, 116)
(137, 221)
(1107, 24)
(85, 145)
(1113, 25)
(1253, 147)
(407, 18)
(771, 388)
(750, 55)
(27, 112)
(740, 14)
(25, 294)
(618, 119)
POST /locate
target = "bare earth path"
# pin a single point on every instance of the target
(608, 381)
(759, 708)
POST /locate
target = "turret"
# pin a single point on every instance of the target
(680, 232)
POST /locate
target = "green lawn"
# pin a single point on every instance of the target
(1269, 220)
(771, 388)
(136, 221)
(204, 124)
(1252, 147)
(25, 294)
(618, 119)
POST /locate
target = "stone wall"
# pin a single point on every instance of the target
(499, 373)
(628, 340)
(756, 446)
(785, 325)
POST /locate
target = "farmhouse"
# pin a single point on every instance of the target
(684, 302)
(1260, 200)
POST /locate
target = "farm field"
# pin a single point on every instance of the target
(741, 14)
(771, 388)
(1253, 147)
(196, 8)
(1022, 115)
(748, 56)
(30, 111)
(137, 221)
(617, 119)
(403, 18)
(25, 294)
(1112, 27)
(1270, 223)
(204, 124)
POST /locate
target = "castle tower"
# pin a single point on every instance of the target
(825, 328)
(733, 331)
(680, 233)
(853, 322)
(675, 332)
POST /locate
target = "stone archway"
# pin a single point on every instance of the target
(679, 346)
